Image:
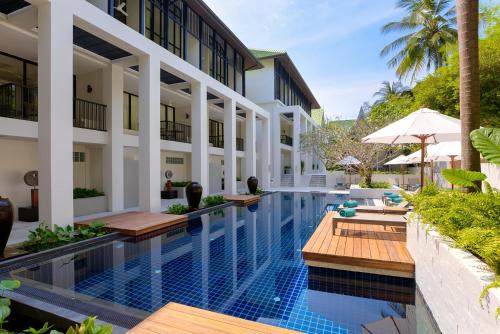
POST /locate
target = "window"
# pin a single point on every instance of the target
(287, 91)
(130, 111)
(78, 156)
(207, 48)
(154, 20)
(193, 23)
(220, 59)
(230, 58)
(175, 30)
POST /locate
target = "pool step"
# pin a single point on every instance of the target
(287, 180)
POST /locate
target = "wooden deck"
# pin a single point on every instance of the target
(138, 223)
(363, 245)
(243, 200)
(182, 319)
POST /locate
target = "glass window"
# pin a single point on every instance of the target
(134, 112)
(11, 70)
(126, 111)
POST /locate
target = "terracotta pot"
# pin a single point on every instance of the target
(6, 221)
(252, 184)
(194, 190)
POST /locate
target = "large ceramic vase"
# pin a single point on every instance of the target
(194, 190)
(252, 184)
(6, 221)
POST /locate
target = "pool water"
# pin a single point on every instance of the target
(244, 262)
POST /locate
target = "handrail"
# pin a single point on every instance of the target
(89, 115)
(287, 140)
(175, 131)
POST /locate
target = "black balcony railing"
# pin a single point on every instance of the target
(175, 132)
(18, 102)
(21, 102)
(89, 115)
(240, 146)
(286, 140)
(216, 141)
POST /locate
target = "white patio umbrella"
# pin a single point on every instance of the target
(347, 162)
(400, 160)
(422, 126)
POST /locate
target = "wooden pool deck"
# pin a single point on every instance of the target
(182, 319)
(138, 223)
(373, 243)
(243, 200)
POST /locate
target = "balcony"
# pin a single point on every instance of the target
(21, 102)
(175, 132)
(218, 141)
(286, 140)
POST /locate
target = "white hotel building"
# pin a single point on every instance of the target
(109, 94)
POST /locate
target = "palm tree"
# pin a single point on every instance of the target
(429, 27)
(390, 89)
(468, 48)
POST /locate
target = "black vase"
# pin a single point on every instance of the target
(194, 190)
(252, 184)
(6, 221)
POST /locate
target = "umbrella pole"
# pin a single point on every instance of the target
(452, 158)
(422, 160)
(432, 171)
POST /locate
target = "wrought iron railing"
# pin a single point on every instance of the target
(20, 102)
(286, 140)
(175, 132)
(240, 146)
(216, 141)
(89, 115)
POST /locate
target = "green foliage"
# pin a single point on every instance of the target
(463, 178)
(302, 166)
(493, 285)
(178, 209)
(375, 185)
(90, 326)
(210, 201)
(470, 219)
(43, 237)
(42, 330)
(391, 109)
(86, 193)
(487, 142)
(180, 184)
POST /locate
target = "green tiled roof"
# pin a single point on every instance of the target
(266, 53)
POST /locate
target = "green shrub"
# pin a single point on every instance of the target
(86, 193)
(43, 237)
(210, 201)
(180, 184)
(375, 185)
(178, 209)
(470, 219)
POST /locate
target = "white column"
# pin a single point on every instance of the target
(296, 146)
(199, 126)
(55, 117)
(149, 134)
(265, 150)
(250, 153)
(113, 151)
(276, 147)
(229, 146)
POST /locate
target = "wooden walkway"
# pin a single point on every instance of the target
(366, 245)
(138, 223)
(182, 319)
(243, 200)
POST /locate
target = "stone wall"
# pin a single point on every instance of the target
(451, 281)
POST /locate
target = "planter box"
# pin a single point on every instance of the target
(362, 193)
(90, 205)
(181, 191)
(451, 281)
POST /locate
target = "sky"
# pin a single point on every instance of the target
(335, 44)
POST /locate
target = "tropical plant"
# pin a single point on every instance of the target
(468, 45)
(178, 209)
(86, 193)
(376, 185)
(214, 200)
(302, 166)
(43, 237)
(89, 326)
(390, 89)
(487, 141)
(429, 28)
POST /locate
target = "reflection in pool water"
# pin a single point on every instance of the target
(244, 262)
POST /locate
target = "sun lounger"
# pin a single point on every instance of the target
(400, 209)
(371, 218)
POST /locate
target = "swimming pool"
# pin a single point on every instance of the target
(244, 262)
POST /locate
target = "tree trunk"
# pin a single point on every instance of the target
(468, 24)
